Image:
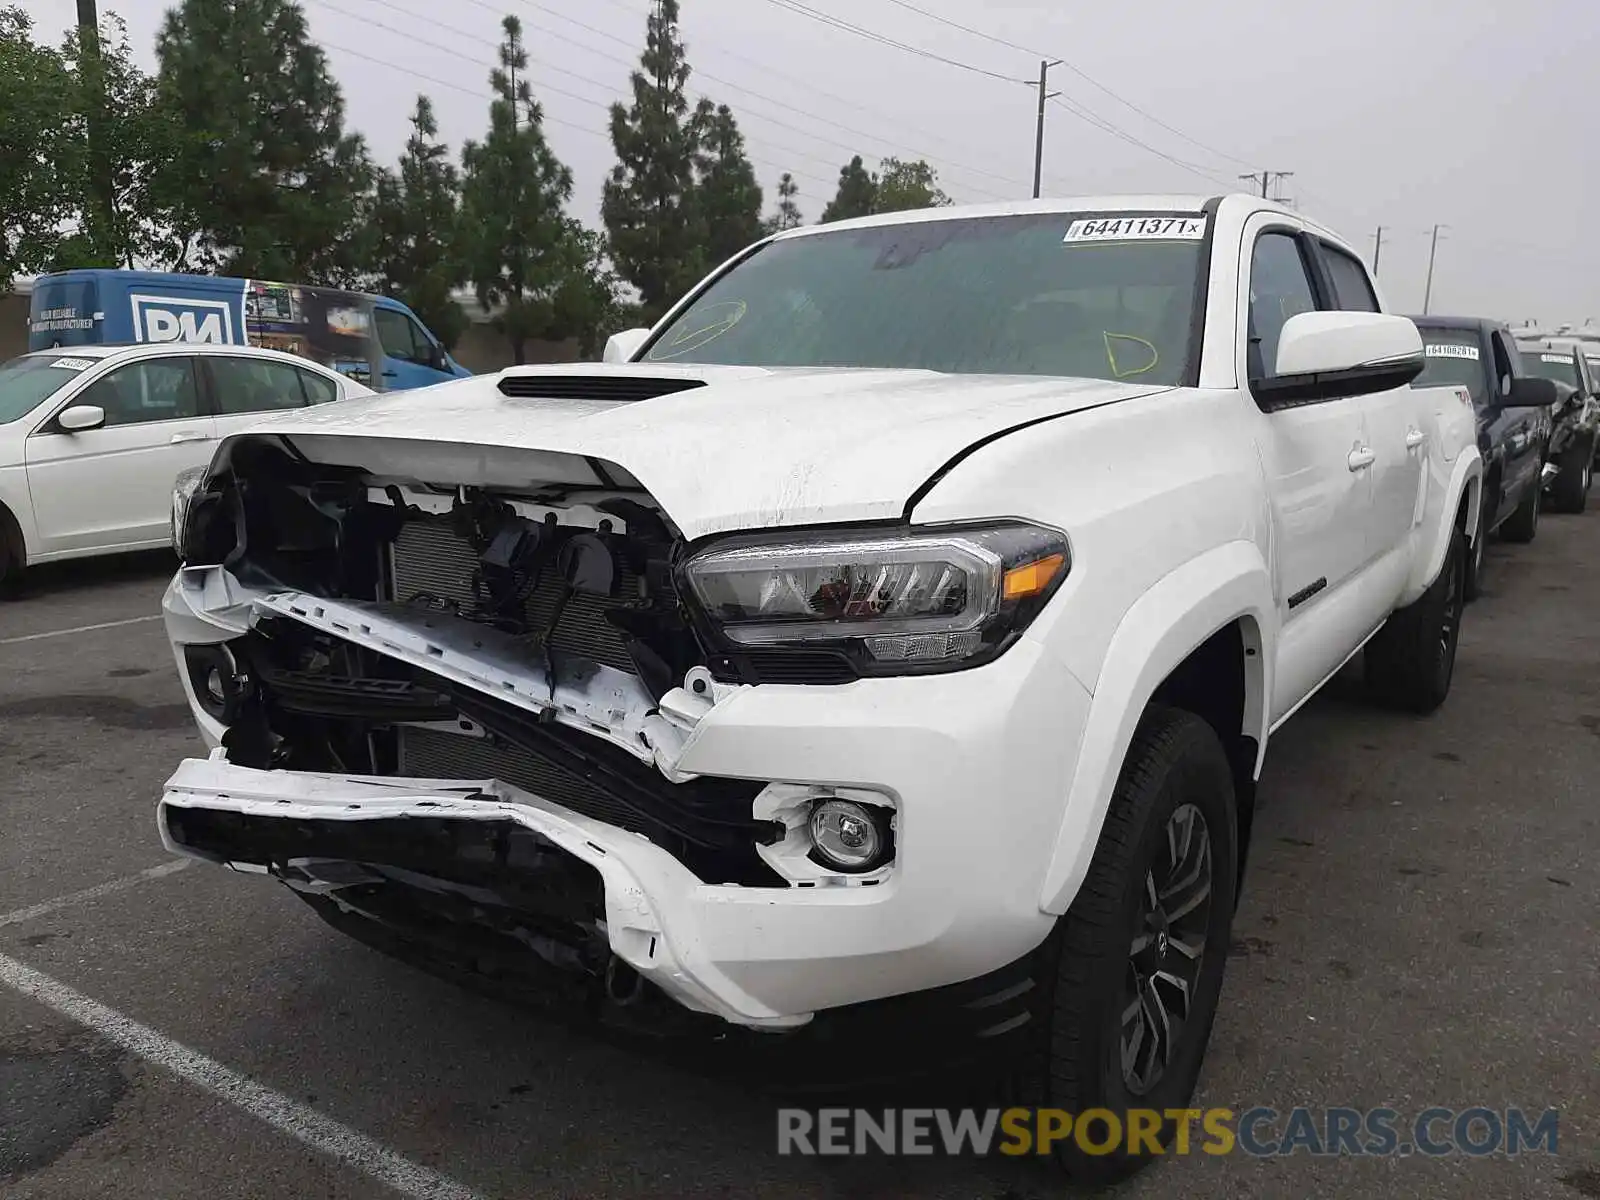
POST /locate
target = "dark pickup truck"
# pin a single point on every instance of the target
(1514, 422)
(1576, 417)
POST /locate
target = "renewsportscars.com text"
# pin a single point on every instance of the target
(1259, 1132)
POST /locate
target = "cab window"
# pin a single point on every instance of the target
(250, 385)
(158, 389)
(402, 338)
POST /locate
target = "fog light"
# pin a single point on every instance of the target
(848, 836)
(218, 682)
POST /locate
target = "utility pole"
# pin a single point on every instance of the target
(1433, 247)
(99, 207)
(1038, 133)
(1377, 249)
(1266, 179)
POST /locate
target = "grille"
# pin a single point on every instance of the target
(431, 754)
(431, 557)
(624, 388)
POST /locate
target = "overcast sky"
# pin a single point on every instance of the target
(1399, 113)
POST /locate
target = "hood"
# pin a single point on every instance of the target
(736, 448)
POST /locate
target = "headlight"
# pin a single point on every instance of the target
(893, 600)
(183, 490)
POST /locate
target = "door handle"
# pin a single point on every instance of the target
(180, 438)
(1360, 457)
(1415, 438)
(390, 374)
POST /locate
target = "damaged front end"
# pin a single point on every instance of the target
(499, 679)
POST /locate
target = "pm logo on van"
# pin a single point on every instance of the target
(171, 319)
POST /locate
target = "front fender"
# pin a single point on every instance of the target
(1157, 633)
(1439, 522)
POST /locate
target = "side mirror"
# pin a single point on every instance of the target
(438, 357)
(621, 347)
(1527, 391)
(81, 417)
(1328, 355)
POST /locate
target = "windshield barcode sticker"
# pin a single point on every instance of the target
(1563, 359)
(1450, 350)
(73, 364)
(1136, 229)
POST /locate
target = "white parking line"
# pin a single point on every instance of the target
(287, 1116)
(39, 637)
(93, 893)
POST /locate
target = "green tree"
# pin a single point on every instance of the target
(650, 203)
(905, 185)
(857, 195)
(417, 219)
(729, 196)
(788, 207)
(35, 90)
(519, 246)
(585, 304)
(266, 181)
(137, 142)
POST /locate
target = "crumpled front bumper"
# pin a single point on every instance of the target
(976, 764)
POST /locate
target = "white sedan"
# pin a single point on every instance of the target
(92, 437)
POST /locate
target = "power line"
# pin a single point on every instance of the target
(1105, 126)
(803, 10)
(1076, 70)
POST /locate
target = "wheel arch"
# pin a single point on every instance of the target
(1443, 520)
(1201, 639)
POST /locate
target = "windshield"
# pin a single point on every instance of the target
(27, 381)
(1558, 365)
(1038, 294)
(1452, 357)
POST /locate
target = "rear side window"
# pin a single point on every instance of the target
(1453, 357)
(319, 389)
(1352, 290)
(251, 385)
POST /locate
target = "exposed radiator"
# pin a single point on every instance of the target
(431, 754)
(430, 557)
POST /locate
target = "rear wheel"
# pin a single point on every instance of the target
(1411, 660)
(1521, 525)
(1570, 491)
(1135, 966)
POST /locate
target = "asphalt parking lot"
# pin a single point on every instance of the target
(1419, 927)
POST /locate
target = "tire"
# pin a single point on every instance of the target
(1522, 525)
(1106, 952)
(1411, 660)
(1570, 491)
(10, 568)
(1472, 581)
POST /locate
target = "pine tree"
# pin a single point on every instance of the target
(857, 195)
(650, 206)
(729, 196)
(417, 216)
(519, 246)
(267, 182)
(788, 207)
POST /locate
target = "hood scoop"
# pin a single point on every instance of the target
(620, 388)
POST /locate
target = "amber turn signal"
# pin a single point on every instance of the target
(1031, 578)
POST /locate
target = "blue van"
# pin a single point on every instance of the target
(374, 339)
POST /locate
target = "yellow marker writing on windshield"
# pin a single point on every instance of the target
(1111, 354)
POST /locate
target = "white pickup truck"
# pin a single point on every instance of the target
(907, 613)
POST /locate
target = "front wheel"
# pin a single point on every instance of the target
(1134, 968)
(1411, 660)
